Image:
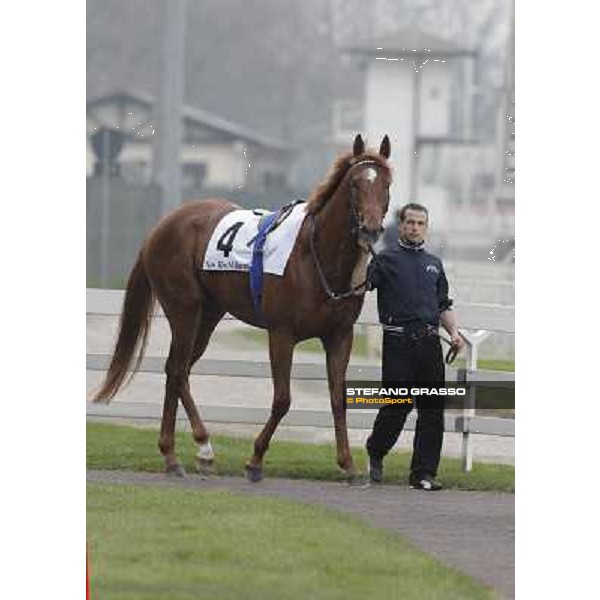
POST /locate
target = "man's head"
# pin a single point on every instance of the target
(413, 220)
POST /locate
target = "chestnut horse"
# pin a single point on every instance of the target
(320, 295)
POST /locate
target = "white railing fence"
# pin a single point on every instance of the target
(479, 322)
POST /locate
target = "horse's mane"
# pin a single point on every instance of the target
(338, 171)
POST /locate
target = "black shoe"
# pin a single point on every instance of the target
(375, 469)
(426, 483)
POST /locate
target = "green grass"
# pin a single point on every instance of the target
(488, 364)
(115, 283)
(359, 346)
(147, 543)
(130, 448)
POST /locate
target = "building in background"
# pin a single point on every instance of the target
(219, 158)
(216, 153)
(418, 89)
(408, 83)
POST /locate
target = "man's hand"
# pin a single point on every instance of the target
(449, 322)
(456, 340)
(456, 343)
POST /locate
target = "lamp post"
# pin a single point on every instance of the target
(167, 149)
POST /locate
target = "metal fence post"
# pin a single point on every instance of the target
(466, 454)
(472, 340)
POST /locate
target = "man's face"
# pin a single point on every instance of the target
(414, 226)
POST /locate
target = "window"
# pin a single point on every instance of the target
(194, 175)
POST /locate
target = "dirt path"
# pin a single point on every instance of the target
(471, 531)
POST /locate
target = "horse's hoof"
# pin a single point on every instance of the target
(204, 466)
(356, 479)
(175, 471)
(254, 474)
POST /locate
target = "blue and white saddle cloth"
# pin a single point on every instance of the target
(257, 241)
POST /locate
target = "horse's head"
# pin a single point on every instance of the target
(370, 179)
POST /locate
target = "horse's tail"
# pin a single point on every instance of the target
(136, 318)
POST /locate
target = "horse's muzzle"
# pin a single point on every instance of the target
(369, 235)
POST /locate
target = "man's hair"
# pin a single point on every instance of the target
(401, 212)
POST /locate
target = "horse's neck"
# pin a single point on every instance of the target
(335, 243)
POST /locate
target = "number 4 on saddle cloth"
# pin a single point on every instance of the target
(256, 241)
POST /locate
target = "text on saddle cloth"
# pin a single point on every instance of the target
(232, 244)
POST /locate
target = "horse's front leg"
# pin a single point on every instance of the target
(281, 348)
(338, 347)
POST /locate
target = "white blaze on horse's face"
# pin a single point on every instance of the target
(370, 188)
(370, 174)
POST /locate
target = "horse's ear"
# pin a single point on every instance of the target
(385, 149)
(359, 145)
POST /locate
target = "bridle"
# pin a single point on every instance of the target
(355, 230)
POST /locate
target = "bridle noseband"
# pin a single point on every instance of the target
(356, 230)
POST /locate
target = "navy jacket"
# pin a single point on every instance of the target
(411, 287)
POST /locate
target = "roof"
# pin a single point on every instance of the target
(409, 42)
(196, 116)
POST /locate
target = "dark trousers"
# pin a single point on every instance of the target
(409, 359)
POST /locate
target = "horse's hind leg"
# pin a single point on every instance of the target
(210, 317)
(166, 440)
(281, 348)
(183, 320)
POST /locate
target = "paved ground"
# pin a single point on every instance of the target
(471, 531)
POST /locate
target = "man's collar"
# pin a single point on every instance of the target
(409, 245)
